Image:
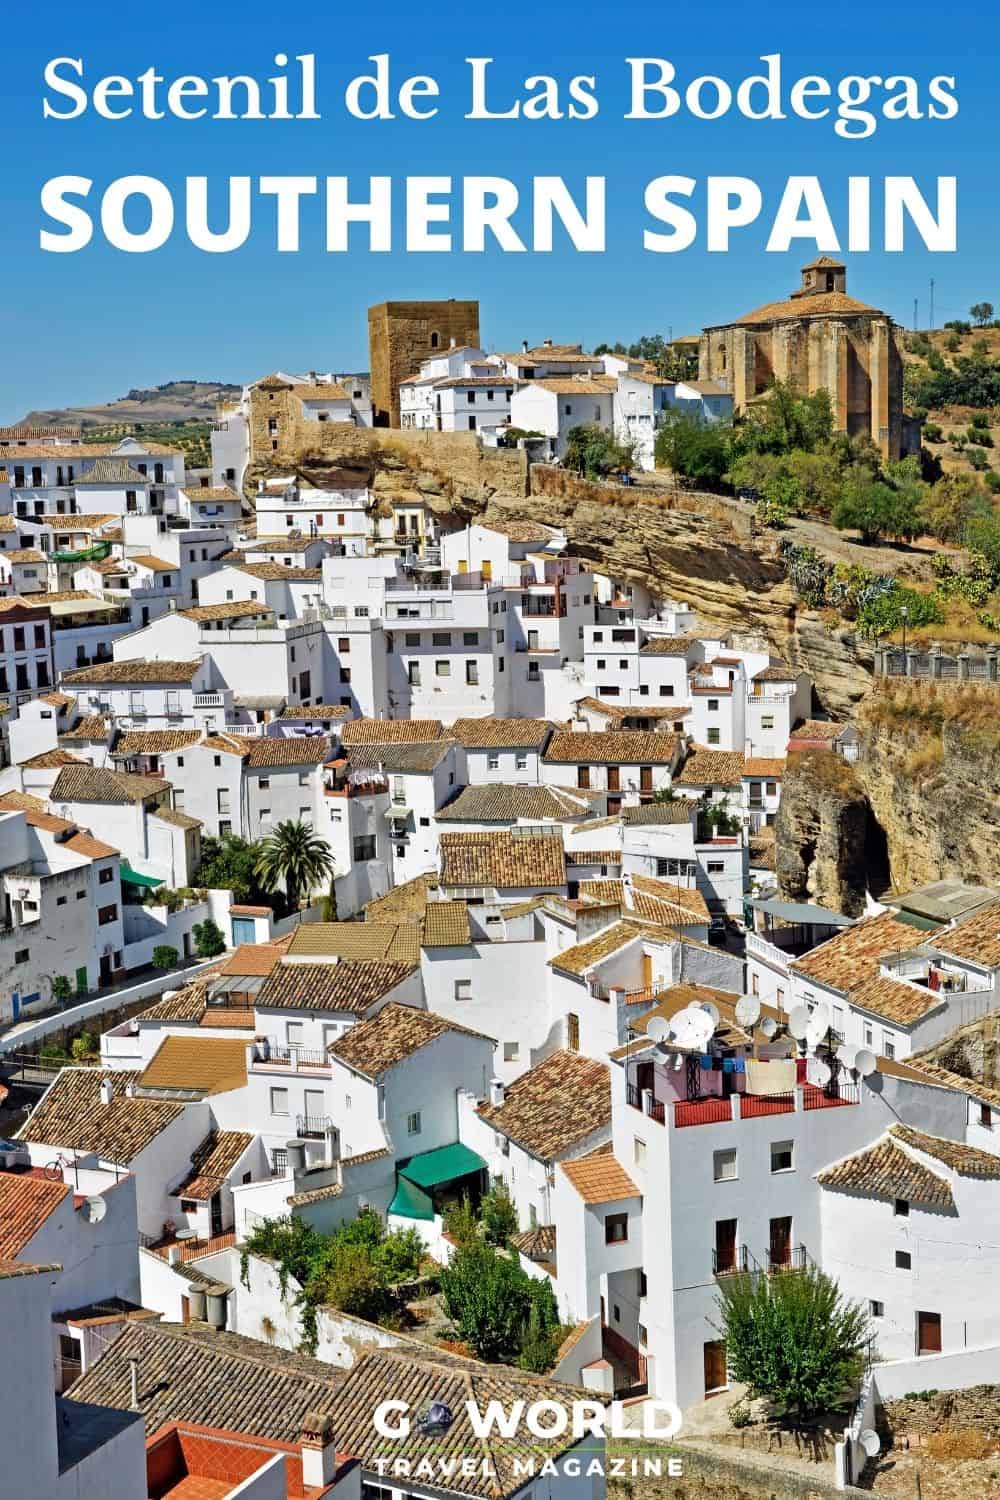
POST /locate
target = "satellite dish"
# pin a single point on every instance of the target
(870, 1442)
(703, 1022)
(658, 1029)
(768, 1027)
(660, 1054)
(820, 1016)
(748, 1010)
(710, 1010)
(865, 1062)
(814, 1035)
(687, 1030)
(798, 1022)
(821, 1075)
(93, 1210)
(847, 1053)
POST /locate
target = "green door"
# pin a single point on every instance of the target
(81, 980)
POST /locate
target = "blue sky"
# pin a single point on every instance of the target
(87, 326)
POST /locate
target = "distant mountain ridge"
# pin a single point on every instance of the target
(175, 401)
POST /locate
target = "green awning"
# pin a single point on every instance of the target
(132, 877)
(411, 1202)
(432, 1168)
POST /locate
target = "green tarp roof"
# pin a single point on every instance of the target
(798, 911)
(431, 1168)
(411, 1202)
(132, 877)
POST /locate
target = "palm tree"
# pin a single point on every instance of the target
(295, 855)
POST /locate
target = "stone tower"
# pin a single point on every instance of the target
(818, 338)
(401, 334)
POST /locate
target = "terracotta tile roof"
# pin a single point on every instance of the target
(212, 1163)
(86, 783)
(593, 856)
(228, 744)
(7, 523)
(84, 843)
(977, 939)
(498, 803)
(711, 768)
(818, 729)
(269, 752)
(572, 385)
(583, 956)
(503, 859)
(373, 1047)
(649, 814)
(761, 765)
(316, 711)
(943, 1077)
(154, 564)
(21, 802)
(71, 1116)
(969, 1161)
(490, 733)
(51, 760)
(321, 391)
(110, 470)
(405, 903)
(57, 700)
(886, 1171)
(233, 609)
(347, 986)
(371, 942)
(537, 1242)
(666, 902)
(446, 924)
(554, 1106)
(253, 960)
(852, 956)
(210, 492)
(619, 712)
(599, 1177)
(669, 645)
(201, 1064)
(631, 747)
(78, 523)
(90, 727)
(154, 741)
(390, 731)
(818, 305)
(776, 671)
(186, 1005)
(176, 818)
(135, 671)
(416, 759)
(894, 1000)
(272, 572)
(25, 555)
(194, 1374)
(25, 1204)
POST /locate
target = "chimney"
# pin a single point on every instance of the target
(174, 1255)
(319, 1454)
(524, 346)
(332, 1153)
(547, 343)
(133, 1370)
(296, 1157)
(107, 1091)
(451, 343)
(497, 1092)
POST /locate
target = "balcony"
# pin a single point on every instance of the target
(794, 1258)
(312, 1127)
(291, 1059)
(733, 1262)
(209, 700)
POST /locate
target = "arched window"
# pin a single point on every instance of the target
(435, 340)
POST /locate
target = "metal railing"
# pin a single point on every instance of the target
(314, 1126)
(731, 1262)
(795, 1258)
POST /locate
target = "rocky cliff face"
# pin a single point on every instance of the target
(822, 834)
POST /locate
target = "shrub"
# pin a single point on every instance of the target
(992, 481)
(978, 459)
(594, 453)
(208, 939)
(739, 1413)
(499, 1216)
(461, 1224)
(980, 419)
(84, 1045)
(164, 957)
(61, 988)
(497, 1308)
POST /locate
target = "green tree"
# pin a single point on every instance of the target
(491, 1301)
(209, 940)
(164, 957)
(787, 420)
(461, 1223)
(330, 913)
(595, 453)
(229, 864)
(61, 988)
(84, 1046)
(949, 506)
(981, 313)
(498, 1214)
(694, 450)
(296, 857)
(792, 1338)
(876, 509)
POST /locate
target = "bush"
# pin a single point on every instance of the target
(979, 420)
(594, 453)
(83, 1046)
(461, 1223)
(209, 941)
(61, 988)
(933, 432)
(694, 450)
(498, 1215)
(165, 957)
(498, 1309)
(978, 458)
(992, 482)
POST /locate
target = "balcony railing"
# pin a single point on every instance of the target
(313, 1126)
(291, 1057)
(732, 1262)
(795, 1258)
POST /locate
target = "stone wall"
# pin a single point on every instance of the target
(717, 1475)
(403, 334)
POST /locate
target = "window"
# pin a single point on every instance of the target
(470, 637)
(412, 638)
(902, 1208)
(440, 637)
(713, 705)
(105, 876)
(521, 760)
(493, 761)
(712, 736)
(533, 671)
(364, 848)
(107, 914)
(413, 673)
(869, 1035)
(904, 1260)
(888, 1045)
(463, 989)
(81, 895)
(264, 783)
(767, 721)
(472, 673)
(189, 1206)
(715, 866)
(724, 1165)
(876, 1309)
(60, 900)
(638, 1151)
(511, 1051)
(279, 1101)
(344, 645)
(21, 955)
(986, 1117)
(615, 1229)
(295, 1033)
(413, 1123)
(781, 1156)
(442, 667)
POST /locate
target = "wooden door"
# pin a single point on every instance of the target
(725, 1245)
(647, 971)
(645, 778)
(614, 779)
(644, 1076)
(583, 777)
(486, 570)
(716, 1376)
(928, 1333)
(573, 1032)
(781, 1242)
(215, 1214)
(614, 806)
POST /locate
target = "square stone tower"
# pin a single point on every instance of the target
(401, 334)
